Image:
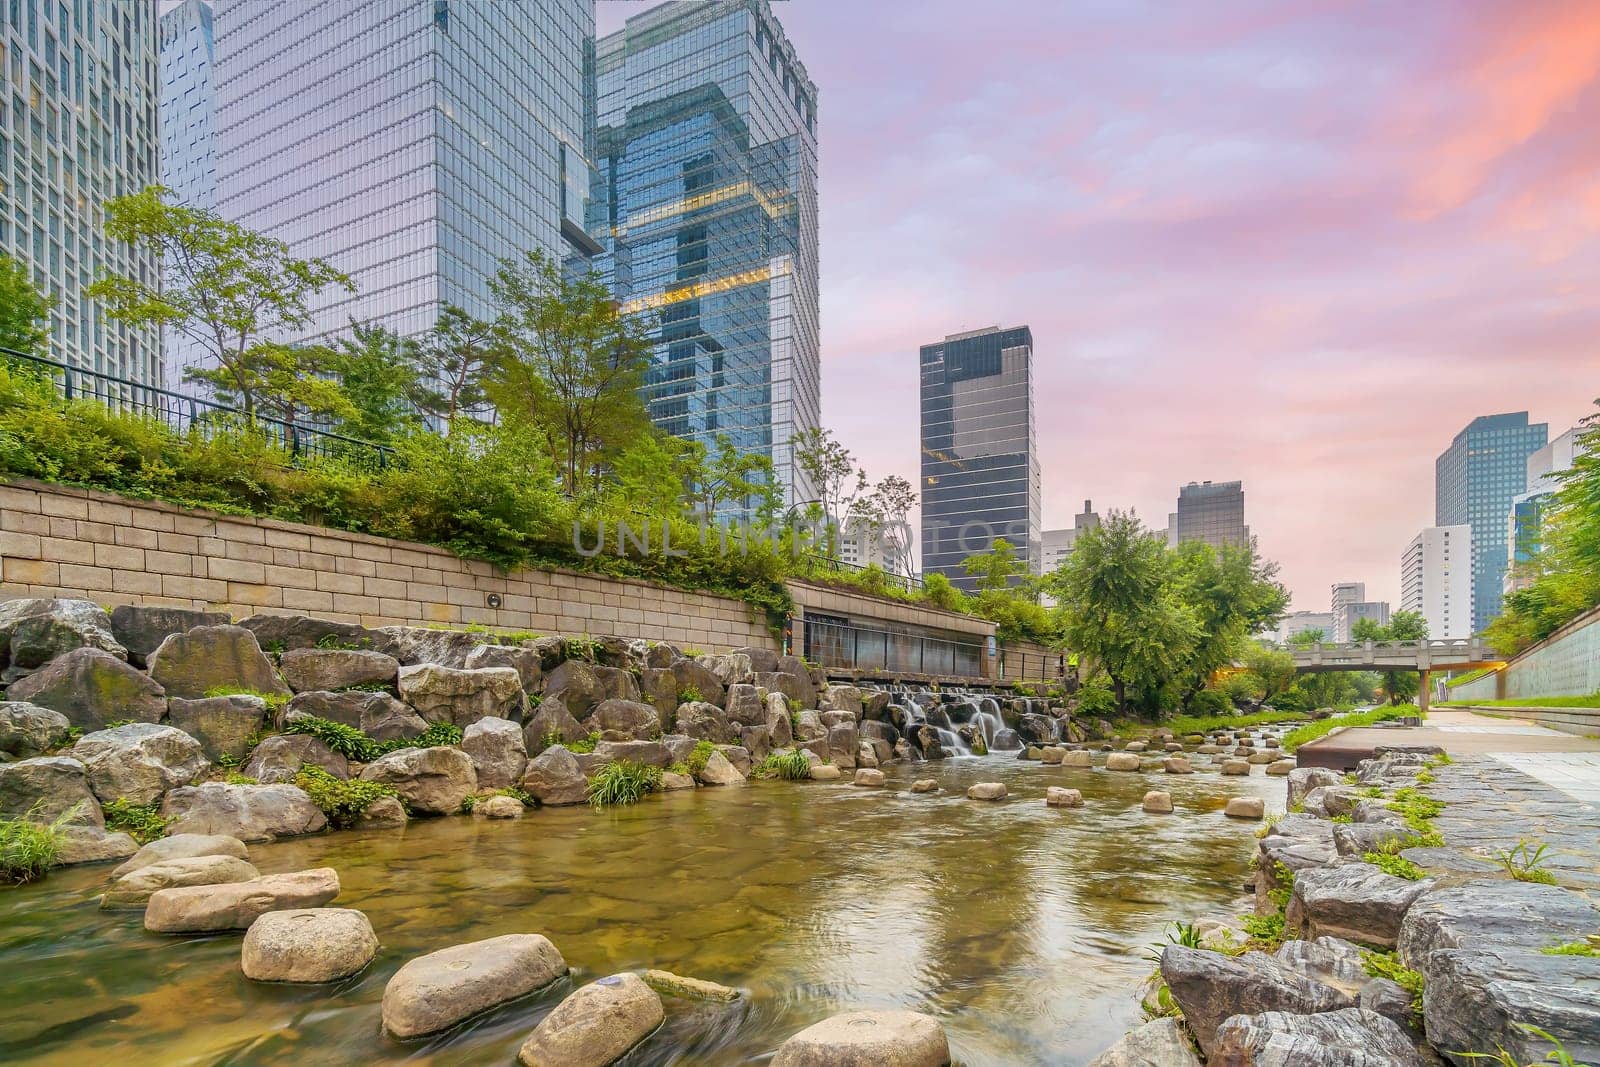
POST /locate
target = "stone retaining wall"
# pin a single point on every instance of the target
(63, 542)
(1565, 664)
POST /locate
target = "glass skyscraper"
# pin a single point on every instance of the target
(1475, 480)
(980, 465)
(188, 141)
(1212, 512)
(411, 143)
(707, 211)
(78, 104)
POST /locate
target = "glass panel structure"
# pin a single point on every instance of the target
(412, 143)
(980, 457)
(1212, 512)
(188, 140)
(1475, 481)
(707, 212)
(78, 104)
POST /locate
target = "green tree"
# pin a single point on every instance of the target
(997, 570)
(24, 311)
(885, 514)
(1272, 669)
(1402, 626)
(571, 369)
(1232, 594)
(833, 470)
(1307, 638)
(724, 475)
(378, 370)
(1120, 609)
(294, 384)
(453, 362)
(225, 288)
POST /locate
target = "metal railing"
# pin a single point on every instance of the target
(186, 413)
(839, 566)
(835, 644)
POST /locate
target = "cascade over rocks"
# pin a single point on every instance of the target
(30, 730)
(92, 687)
(595, 1025)
(333, 669)
(438, 990)
(212, 658)
(224, 726)
(35, 631)
(141, 628)
(139, 762)
(280, 757)
(460, 696)
(248, 812)
(431, 781)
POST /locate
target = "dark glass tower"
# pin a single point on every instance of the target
(707, 214)
(980, 466)
(1475, 480)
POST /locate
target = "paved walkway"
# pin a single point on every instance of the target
(1458, 732)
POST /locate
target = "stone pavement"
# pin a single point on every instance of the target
(1458, 732)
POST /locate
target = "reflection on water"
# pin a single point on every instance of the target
(1022, 927)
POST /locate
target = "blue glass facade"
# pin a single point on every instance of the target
(706, 208)
(980, 465)
(188, 141)
(1475, 481)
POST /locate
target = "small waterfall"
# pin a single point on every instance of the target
(951, 742)
(990, 726)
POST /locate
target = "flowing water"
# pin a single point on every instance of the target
(1023, 928)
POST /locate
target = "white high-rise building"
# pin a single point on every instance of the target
(78, 106)
(413, 144)
(1436, 580)
(1344, 595)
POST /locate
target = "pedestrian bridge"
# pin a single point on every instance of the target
(1462, 654)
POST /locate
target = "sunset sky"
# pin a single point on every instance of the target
(1298, 244)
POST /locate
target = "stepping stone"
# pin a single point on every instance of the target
(436, 991)
(312, 945)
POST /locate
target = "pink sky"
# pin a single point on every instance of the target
(1299, 245)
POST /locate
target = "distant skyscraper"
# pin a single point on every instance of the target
(1525, 522)
(1212, 512)
(1436, 580)
(707, 154)
(980, 466)
(188, 140)
(1299, 622)
(1475, 480)
(414, 145)
(1375, 610)
(1057, 545)
(78, 106)
(1345, 594)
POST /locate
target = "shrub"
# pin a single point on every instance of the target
(791, 765)
(274, 701)
(437, 735)
(1525, 863)
(623, 782)
(142, 822)
(698, 756)
(1398, 866)
(1573, 948)
(345, 740)
(28, 848)
(1210, 702)
(582, 745)
(340, 800)
(1385, 965)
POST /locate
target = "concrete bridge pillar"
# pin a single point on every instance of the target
(1422, 691)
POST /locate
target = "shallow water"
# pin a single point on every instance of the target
(1023, 928)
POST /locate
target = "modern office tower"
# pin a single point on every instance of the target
(980, 466)
(1475, 480)
(1375, 610)
(1525, 521)
(1056, 545)
(1436, 580)
(707, 156)
(1298, 622)
(188, 142)
(863, 545)
(1345, 594)
(78, 104)
(412, 145)
(1212, 512)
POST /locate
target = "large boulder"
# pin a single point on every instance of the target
(91, 844)
(552, 724)
(696, 681)
(624, 720)
(209, 660)
(30, 730)
(307, 945)
(34, 631)
(719, 771)
(745, 706)
(1357, 902)
(797, 688)
(1158, 1043)
(422, 644)
(840, 698)
(1297, 843)
(581, 686)
(279, 758)
(141, 628)
(1302, 780)
(658, 687)
(1210, 987)
(778, 722)
(134, 889)
(1350, 1037)
(92, 687)
(45, 788)
(432, 781)
(378, 715)
(497, 752)
(1480, 949)
(704, 721)
(235, 905)
(436, 991)
(446, 694)
(248, 812)
(554, 777)
(731, 668)
(224, 726)
(181, 847)
(283, 633)
(140, 761)
(525, 661)
(844, 742)
(648, 753)
(868, 1039)
(332, 669)
(596, 1025)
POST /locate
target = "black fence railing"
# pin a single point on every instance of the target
(186, 413)
(840, 645)
(827, 564)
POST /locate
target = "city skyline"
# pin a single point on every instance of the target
(1265, 289)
